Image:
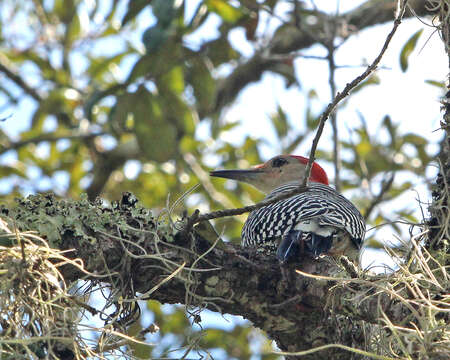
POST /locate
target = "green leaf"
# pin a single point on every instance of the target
(111, 29)
(371, 80)
(156, 62)
(439, 84)
(364, 148)
(289, 149)
(408, 48)
(164, 11)
(312, 121)
(391, 128)
(188, 144)
(220, 51)
(280, 122)
(199, 76)
(155, 307)
(118, 115)
(177, 112)
(154, 37)
(65, 9)
(415, 139)
(229, 126)
(407, 215)
(73, 29)
(139, 350)
(235, 342)
(222, 8)
(43, 64)
(100, 65)
(397, 190)
(155, 135)
(18, 169)
(172, 81)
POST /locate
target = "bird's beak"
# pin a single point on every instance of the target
(248, 176)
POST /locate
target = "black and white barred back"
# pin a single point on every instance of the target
(320, 206)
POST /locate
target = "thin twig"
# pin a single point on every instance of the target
(250, 208)
(322, 120)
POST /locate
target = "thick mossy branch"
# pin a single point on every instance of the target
(126, 247)
(81, 225)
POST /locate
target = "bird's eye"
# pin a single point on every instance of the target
(279, 162)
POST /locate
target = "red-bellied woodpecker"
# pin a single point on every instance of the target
(317, 221)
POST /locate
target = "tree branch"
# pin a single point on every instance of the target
(291, 39)
(135, 253)
(46, 137)
(17, 79)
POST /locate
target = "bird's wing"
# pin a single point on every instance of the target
(325, 208)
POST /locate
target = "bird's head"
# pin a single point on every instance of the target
(281, 169)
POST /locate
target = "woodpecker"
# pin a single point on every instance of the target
(316, 222)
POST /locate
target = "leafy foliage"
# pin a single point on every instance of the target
(408, 48)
